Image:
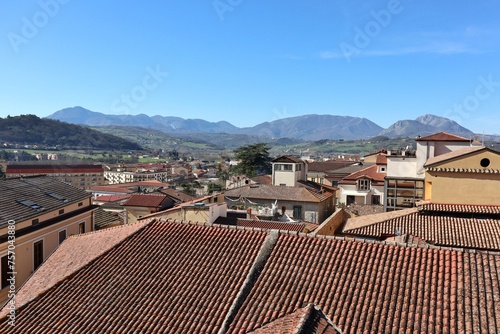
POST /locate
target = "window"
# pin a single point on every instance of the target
(5, 269)
(376, 199)
(37, 254)
(62, 236)
(283, 167)
(61, 211)
(363, 184)
(35, 221)
(297, 211)
(350, 200)
(80, 204)
(485, 162)
(298, 167)
(81, 228)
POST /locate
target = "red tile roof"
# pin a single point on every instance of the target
(381, 159)
(461, 208)
(270, 225)
(177, 195)
(300, 194)
(110, 189)
(73, 254)
(148, 200)
(51, 169)
(262, 179)
(368, 173)
(325, 166)
(443, 136)
(307, 320)
(166, 278)
(111, 198)
(288, 159)
(439, 229)
(184, 278)
(376, 288)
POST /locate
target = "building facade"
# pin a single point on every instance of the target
(404, 183)
(116, 177)
(36, 215)
(80, 176)
(467, 176)
(288, 170)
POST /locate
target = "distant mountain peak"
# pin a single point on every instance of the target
(305, 127)
(425, 125)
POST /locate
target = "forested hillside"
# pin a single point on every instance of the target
(32, 130)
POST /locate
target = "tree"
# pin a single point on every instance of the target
(253, 159)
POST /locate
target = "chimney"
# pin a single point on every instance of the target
(249, 213)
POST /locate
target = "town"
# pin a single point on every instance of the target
(397, 238)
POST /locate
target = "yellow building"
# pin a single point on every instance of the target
(467, 176)
(36, 215)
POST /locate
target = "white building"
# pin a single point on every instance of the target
(404, 183)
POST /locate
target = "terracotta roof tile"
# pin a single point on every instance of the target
(461, 208)
(177, 195)
(51, 169)
(445, 230)
(288, 159)
(262, 179)
(35, 192)
(111, 198)
(443, 136)
(148, 200)
(325, 166)
(103, 218)
(302, 194)
(381, 159)
(375, 288)
(110, 189)
(271, 225)
(173, 277)
(306, 320)
(167, 277)
(72, 255)
(368, 172)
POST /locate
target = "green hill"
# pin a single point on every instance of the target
(32, 130)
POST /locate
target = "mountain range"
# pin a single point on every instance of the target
(306, 127)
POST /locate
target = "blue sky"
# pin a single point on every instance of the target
(249, 62)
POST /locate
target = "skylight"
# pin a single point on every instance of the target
(29, 203)
(56, 196)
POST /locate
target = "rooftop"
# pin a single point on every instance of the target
(283, 193)
(443, 136)
(148, 200)
(366, 173)
(177, 195)
(454, 154)
(51, 169)
(103, 218)
(288, 159)
(270, 225)
(439, 224)
(26, 198)
(201, 278)
(307, 320)
(111, 198)
(325, 166)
